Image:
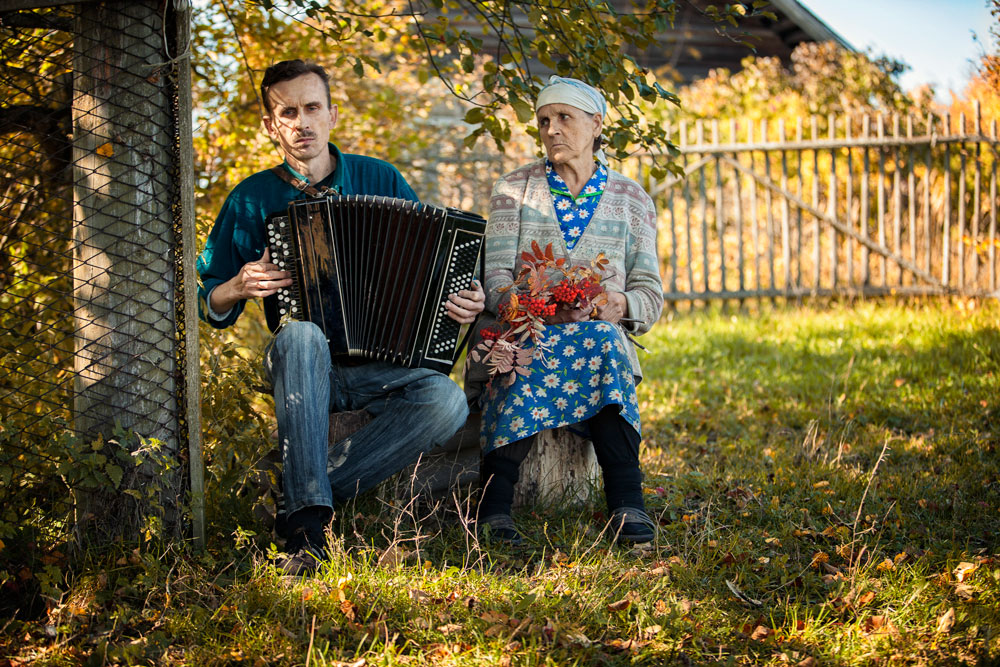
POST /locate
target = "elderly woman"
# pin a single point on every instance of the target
(588, 374)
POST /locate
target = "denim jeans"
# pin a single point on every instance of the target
(413, 410)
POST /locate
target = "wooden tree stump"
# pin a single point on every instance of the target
(561, 467)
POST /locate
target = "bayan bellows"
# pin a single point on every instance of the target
(374, 273)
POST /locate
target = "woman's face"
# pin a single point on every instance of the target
(567, 133)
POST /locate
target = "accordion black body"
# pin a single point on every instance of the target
(374, 273)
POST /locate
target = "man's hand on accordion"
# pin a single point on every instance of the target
(255, 279)
(262, 278)
(465, 305)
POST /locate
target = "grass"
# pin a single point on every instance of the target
(828, 487)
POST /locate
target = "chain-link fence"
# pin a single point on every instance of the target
(95, 211)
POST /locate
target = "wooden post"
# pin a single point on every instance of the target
(928, 170)
(754, 222)
(960, 237)
(849, 203)
(897, 200)
(705, 266)
(799, 184)
(786, 242)
(865, 202)
(125, 280)
(946, 232)
(991, 250)
(687, 208)
(768, 203)
(673, 235)
(720, 226)
(738, 213)
(976, 212)
(831, 124)
(911, 196)
(817, 230)
(880, 201)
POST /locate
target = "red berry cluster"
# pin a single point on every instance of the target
(565, 292)
(491, 333)
(570, 292)
(537, 306)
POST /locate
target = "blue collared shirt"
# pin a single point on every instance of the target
(574, 213)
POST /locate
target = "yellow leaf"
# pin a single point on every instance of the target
(105, 150)
(964, 571)
(886, 565)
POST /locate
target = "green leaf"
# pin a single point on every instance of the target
(523, 110)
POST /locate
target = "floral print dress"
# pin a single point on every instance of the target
(581, 368)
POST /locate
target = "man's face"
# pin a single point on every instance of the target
(301, 117)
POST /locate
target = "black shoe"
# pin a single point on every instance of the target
(632, 526)
(305, 552)
(498, 528)
(302, 563)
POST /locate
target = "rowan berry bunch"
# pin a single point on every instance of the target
(573, 293)
(508, 347)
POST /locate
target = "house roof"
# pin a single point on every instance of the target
(696, 44)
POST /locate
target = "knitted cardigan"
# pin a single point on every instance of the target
(623, 228)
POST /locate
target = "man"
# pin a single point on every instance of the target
(413, 409)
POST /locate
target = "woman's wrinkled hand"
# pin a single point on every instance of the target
(614, 309)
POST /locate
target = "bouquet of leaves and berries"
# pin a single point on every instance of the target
(543, 289)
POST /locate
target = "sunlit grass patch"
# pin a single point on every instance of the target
(827, 484)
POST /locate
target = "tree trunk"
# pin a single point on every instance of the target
(127, 358)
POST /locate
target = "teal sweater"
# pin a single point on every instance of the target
(238, 234)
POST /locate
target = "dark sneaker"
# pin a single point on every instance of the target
(632, 525)
(498, 528)
(304, 554)
(302, 563)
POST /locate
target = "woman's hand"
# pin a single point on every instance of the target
(614, 309)
(465, 305)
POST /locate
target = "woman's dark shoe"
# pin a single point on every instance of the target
(632, 525)
(498, 528)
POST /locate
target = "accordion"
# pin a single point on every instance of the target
(374, 274)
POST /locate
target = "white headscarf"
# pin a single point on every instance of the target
(575, 93)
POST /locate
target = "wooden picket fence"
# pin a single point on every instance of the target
(863, 205)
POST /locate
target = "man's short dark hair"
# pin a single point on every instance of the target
(287, 70)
